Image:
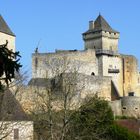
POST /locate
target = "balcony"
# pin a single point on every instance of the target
(106, 52)
(113, 70)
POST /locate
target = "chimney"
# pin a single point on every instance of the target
(91, 25)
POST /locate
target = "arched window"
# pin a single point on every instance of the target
(93, 73)
(124, 108)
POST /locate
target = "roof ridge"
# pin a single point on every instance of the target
(4, 28)
(101, 23)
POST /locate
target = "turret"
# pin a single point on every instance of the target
(101, 37)
(6, 35)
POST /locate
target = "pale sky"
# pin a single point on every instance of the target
(58, 24)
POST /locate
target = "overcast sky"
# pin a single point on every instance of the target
(58, 24)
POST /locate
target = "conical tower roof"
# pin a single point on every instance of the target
(101, 24)
(4, 28)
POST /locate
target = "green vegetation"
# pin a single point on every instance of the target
(8, 64)
(92, 121)
(117, 132)
(124, 117)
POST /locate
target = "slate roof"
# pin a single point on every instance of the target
(10, 108)
(4, 28)
(101, 24)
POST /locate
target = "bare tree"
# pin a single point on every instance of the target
(60, 97)
(11, 113)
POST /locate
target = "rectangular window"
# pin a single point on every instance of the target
(16, 134)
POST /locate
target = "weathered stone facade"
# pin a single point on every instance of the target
(16, 130)
(131, 106)
(14, 123)
(100, 69)
(44, 65)
(99, 61)
(100, 58)
(6, 35)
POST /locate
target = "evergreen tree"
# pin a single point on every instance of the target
(9, 64)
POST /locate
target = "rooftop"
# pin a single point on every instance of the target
(101, 24)
(4, 28)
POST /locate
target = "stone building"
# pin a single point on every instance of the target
(6, 34)
(14, 123)
(100, 69)
(100, 63)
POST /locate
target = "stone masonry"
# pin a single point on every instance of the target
(99, 60)
(99, 67)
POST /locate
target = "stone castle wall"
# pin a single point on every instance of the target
(85, 86)
(110, 41)
(50, 64)
(126, 106)
(101, 40)
(95, 85)
(130, 74)
(112, 66)
(116, 107)
(99, 68)
(122, 68)
(131, 106)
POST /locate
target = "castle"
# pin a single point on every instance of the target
(99, 68)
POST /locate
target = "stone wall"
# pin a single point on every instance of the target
(131, 106)
(112, 66)
(110, 41)
(116, 107)
(28, 97)
(21, 130)
(51, 64)
(82, 86)
(96, 85)
(9, 38)
(101, 40)
(130, 74)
